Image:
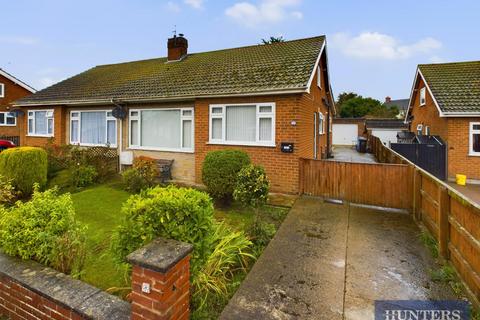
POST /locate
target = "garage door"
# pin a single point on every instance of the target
(386, 136)
(345, 134)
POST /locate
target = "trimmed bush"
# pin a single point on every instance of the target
(44, 229)
(175, 213)
(220, 170)
(252, 186)
(83, 175)
(25, 166)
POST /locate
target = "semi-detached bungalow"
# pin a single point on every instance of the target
(273, 101)
(445, 101)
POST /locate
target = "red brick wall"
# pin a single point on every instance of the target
(12, 92)
(18, 302)
(459, 160)
(169, 296)
(428, 114)
(59, 128)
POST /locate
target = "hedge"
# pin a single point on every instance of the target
(25, 166)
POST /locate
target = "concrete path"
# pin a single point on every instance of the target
(349, 154)
(331, 261)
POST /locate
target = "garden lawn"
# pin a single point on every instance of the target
(99, 207)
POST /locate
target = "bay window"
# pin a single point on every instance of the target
(40, 123)
(474, 139)
(168, 129)
(243, 124)
(7, 119)
(93, 128)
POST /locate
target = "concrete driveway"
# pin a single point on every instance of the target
(331, 261)
(349, 154)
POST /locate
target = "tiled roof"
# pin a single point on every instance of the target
(402, 104)
(385, 123)
(247, 70)
(455, 86)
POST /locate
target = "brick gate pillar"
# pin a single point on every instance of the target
(161, 280)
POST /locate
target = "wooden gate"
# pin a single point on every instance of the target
(377, 184)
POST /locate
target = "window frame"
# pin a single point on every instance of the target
(423, 94)
(2, 90)
(7, 114)
(258, 115)
(420, 128)
(33, 134)
(471, 132)
(79, 130)
(321, 120)
(139, 129)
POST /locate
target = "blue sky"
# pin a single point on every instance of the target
(373, 46)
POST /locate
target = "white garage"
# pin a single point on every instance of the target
(344, 134)
(386, 135)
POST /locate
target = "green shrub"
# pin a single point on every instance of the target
(133, 181)
(175, 213)
(252, 186)
(261, 233)
(141, 176)
(43, 229)
(58, 157)
(8, 195)
(220, 170)
(83, 175)
(25, 166)
(147, 167)
(230, 255)
(104, 159)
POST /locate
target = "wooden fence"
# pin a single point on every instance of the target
(451, 218)
(385, 185)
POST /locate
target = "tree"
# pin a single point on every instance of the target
(352, 105)
(273, 40)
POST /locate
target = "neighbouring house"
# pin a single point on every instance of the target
(347, 130)
(11, 89)
(445, 101)
(273, 101)
(402, 105)
(385, 129)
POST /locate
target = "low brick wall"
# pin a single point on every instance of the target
(29, 290)
(160, 288)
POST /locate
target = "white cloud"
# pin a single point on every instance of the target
(375, 45)
(437, 59)
(266, 11)
(173, 7)
(196, 4)
(27, 41)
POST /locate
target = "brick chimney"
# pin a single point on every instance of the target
(388, 99)
(177, 47)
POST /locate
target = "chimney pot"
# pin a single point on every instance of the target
(388, 99)
(177, 47)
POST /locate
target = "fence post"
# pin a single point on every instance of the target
(301, 176)
(417, 195)
(161, 280)
(443, 225)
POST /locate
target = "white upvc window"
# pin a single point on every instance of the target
(423, 94)
(319, 77)
(321, 123)
(2, 90)
(40, 123)
(165, 129)
(474, 139)
(8, 119)
(93, 128)
(250, 124)
(419, 129)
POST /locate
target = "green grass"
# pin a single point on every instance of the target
(99, 208)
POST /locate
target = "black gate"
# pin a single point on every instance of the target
(429, 156)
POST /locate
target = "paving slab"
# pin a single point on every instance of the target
(330, 261)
